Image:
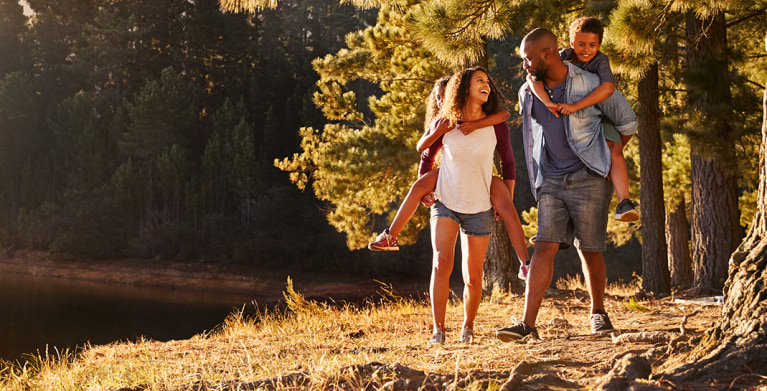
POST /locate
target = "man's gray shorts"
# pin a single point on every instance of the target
(575, 206)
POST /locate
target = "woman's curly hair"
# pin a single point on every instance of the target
(432, 108)
(457, 94)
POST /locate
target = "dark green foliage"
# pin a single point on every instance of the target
(161, 115)
(14, 55)
(151, 128)
(23, 142)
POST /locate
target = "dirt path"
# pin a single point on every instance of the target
(565, 357)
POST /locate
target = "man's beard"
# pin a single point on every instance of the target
(540, 73)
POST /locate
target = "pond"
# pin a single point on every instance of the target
(39, 313)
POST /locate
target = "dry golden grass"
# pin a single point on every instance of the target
(319, 340)
(619, 288)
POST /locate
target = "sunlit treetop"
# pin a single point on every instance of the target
(257, 5)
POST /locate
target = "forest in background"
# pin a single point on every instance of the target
(151, 129)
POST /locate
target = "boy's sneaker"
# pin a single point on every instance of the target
(600, 323)
(517, 331)
(438, 338)
(626, 211)
(467, 335)
(523, 269)
(384, 242)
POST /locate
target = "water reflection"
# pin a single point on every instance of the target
(40, 311)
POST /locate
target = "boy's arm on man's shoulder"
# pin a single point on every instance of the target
(599, 94)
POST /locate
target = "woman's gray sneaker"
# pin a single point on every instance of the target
(467, 335)
(438, 338)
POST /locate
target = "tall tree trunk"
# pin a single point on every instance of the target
(655, 275)
(500, 268)
(715, 229)
(501, 265)
(737, 343)
(677, 233)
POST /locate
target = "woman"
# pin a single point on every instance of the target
(463, 194)
(430, 144)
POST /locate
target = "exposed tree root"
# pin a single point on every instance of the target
(683, 336)
(629, 368)
(643, 337)
(656, 337)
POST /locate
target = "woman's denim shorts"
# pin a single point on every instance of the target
(472, 224)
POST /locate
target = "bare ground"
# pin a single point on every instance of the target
(565, 357)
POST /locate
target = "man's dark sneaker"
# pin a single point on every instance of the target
(517, 331)
(562, 245)
(600, 323)
(626, 211)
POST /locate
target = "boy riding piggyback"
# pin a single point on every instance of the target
(585, 41)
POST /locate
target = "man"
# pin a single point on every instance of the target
(568, 161)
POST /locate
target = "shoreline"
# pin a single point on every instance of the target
(228, 279)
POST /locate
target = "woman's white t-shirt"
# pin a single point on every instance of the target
(466, 171)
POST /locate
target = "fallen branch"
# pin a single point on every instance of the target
(655, 337)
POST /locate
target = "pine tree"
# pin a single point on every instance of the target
(637, 54)
(80, 164)
(161, 115)
(23, 146)
(13, 52)
(715, 232)
(223, 52)
(157, 144)
(57, 28)
(363, 166)
(230, 170)
(676, 181)
(172, 169)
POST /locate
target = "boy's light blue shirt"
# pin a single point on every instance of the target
(583, 128)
